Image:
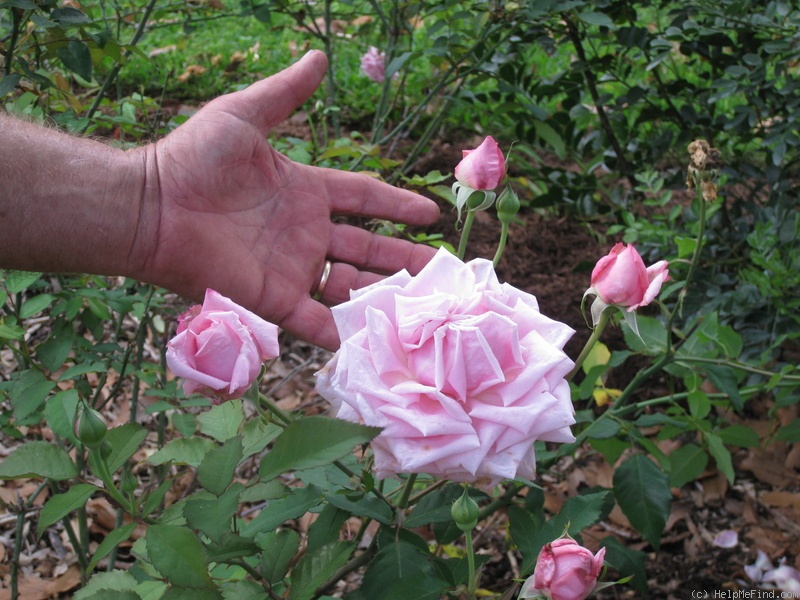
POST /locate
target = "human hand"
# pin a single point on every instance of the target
(223, 210)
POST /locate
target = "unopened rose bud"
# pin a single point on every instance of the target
(91, 428)
(482, 168)
(465, 512)
(507, 205)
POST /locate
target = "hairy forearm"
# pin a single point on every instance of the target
(67, 204)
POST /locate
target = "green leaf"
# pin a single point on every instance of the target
(580, 512)
(699, 404)
(369, 506)
(642, 492)
(59, 412)
(551, 136)
(278, 549)
(591, 17)
(627, 562)
(28, 393)
(38, 459)
(290, 507)
(35, 305)
(53, 352)
(245, 590)
(216, 470)
(178, 555)
(401, 571)
(69, 16)
(739, 435)
(231, 546)
(120, 583)
(433, 508)
(312, 442)
(124, 440)
(16, 281)
(77, 58)
(8, 83)
(721, 455)
(60, 505)
(222, 422)
(652, 338)
(327, 527)
(256, 435)
(724, 379)
(114, 538)
(153, 499)
(191, 593)
(183, 451)
(529, 537)
(211, 515)
(688, 462)
(315, 568)
(789, 433)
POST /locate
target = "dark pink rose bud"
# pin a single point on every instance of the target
(621, 279)
(565, 570)
(482, 168)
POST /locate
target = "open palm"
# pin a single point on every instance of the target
(224, 210)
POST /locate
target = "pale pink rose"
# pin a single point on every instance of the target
(482, 168)
(565, 570)
(219, 348)
(463, 373)
(620, 278)
(373, 63)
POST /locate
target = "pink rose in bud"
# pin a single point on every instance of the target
(373, 63)
(620, 278)
(565, 570)
(219, 348)
(482, 168)
(463, 373)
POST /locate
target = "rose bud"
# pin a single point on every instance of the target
(621, 279)
(565, 570)
(482, 168)
(219, 348)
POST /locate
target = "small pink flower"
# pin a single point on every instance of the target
(482, 168)
(219, 348)
(565, 570)
(621, 279)
(463, 373)
(373, 63)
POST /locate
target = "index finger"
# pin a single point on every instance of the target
(361, 195)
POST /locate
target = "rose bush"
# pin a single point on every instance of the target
(565, 570)
(373, 64)
(219, 348)
(463, 373)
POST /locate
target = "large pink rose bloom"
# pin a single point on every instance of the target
(482, 168)
(219, 348)
(565, 570)
(620, 278)
(373, 64)
(463, 373)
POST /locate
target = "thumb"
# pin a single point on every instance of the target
(270, 101)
